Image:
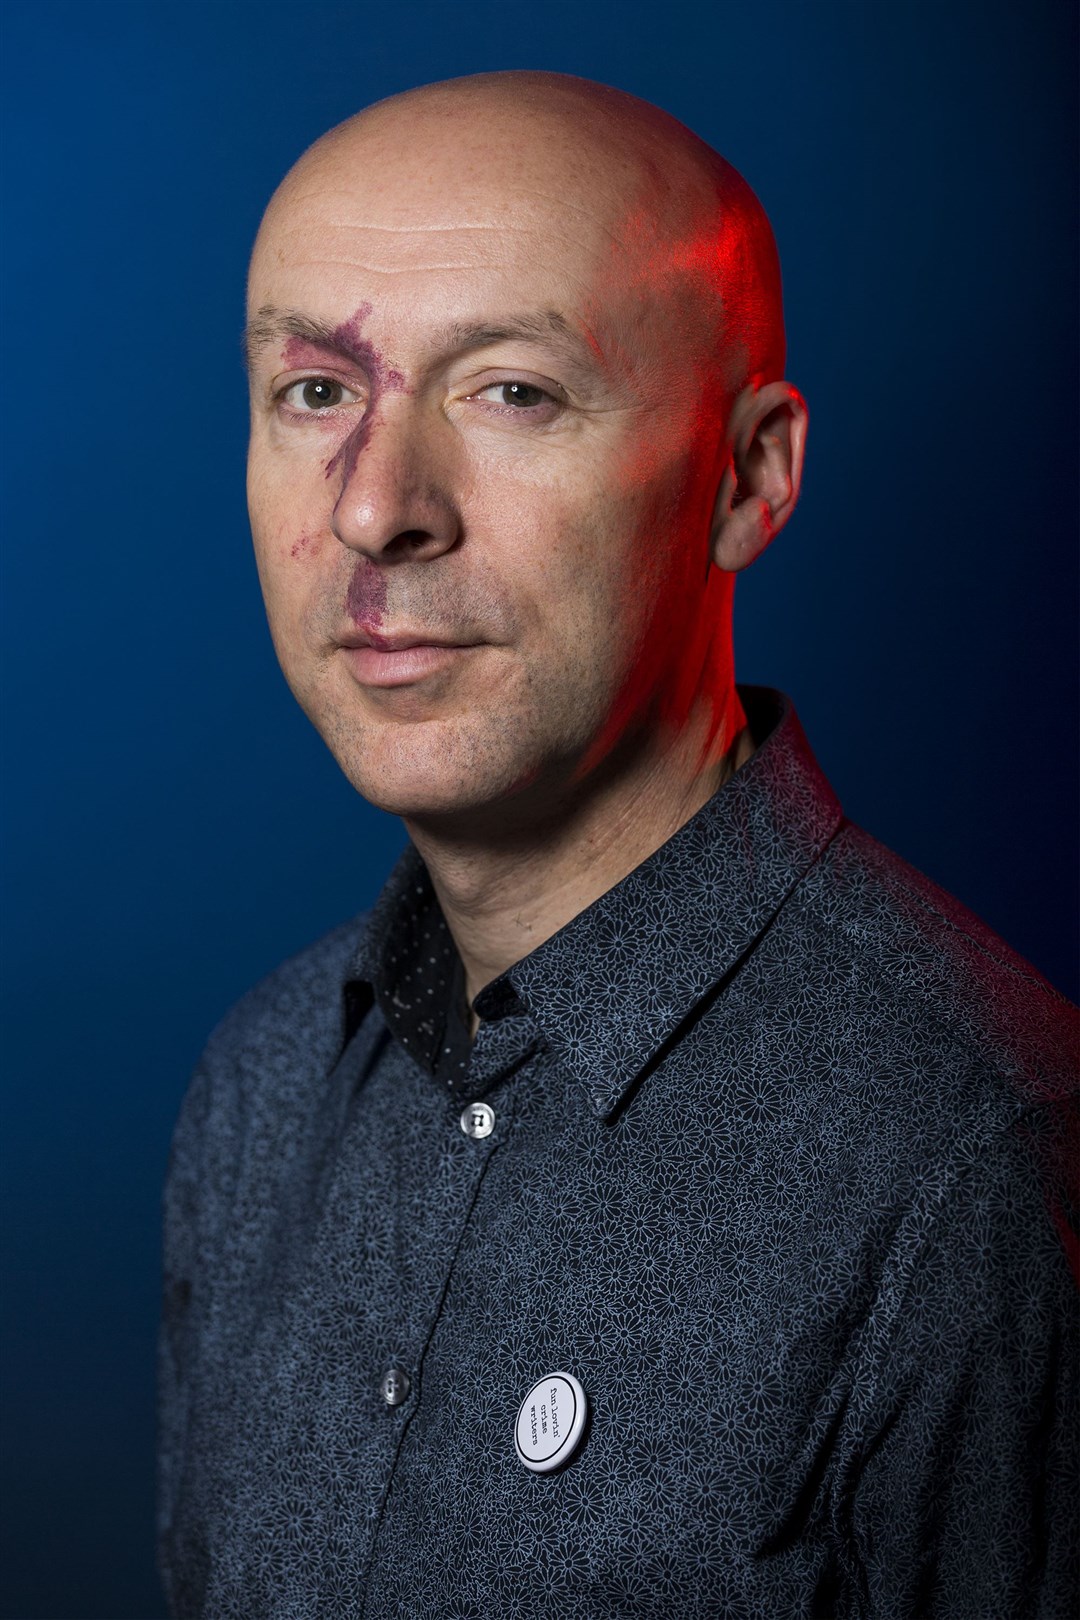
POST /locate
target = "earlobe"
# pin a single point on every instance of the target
(741, 533)
(760, 483)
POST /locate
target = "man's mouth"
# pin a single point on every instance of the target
(395, 641)
(399, 657)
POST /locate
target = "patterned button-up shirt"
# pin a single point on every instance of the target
(775, 1172)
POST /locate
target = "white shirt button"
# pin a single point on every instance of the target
(478, 1120)
(549, 1422)
(395, 1386)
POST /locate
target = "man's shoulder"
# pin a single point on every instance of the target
(917, 954)
(297, 1009)
(267, 1063)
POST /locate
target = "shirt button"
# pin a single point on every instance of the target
(395, 1386)
(478, 1120)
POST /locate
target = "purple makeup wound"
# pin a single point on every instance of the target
(366, 599)
(348, 341)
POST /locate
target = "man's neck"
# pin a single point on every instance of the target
(501, 901)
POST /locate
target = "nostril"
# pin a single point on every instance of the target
(414, 541)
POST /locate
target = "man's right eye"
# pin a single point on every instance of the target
(317, 394)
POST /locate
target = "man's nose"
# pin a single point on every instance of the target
(394, 501)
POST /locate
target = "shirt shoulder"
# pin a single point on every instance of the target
(274, 1047)
(300, 1000)
(916, 955)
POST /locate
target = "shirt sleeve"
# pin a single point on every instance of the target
(959, 1491)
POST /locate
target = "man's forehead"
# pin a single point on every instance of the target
(430, 183)
(435, 210)
(439, 270)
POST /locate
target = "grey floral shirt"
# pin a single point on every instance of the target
(766, 1149)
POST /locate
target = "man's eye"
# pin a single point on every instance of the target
(317, 394)
(520, 394)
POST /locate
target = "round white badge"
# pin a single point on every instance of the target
(549, 1422)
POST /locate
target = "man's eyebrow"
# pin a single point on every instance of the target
(542, 327)
(270, 325)
(534, 328)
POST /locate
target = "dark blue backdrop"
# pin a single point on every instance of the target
(173, 827)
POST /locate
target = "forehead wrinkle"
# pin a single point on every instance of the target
(497, 227)
(418, 229)
(359, 228)
(410, 230)
(402, 267)
(559, 207)
(464, 267)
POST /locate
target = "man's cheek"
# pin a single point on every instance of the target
(286, 556)
(307, 546)
(287, 530)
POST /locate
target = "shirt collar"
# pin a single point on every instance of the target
(612, 986)
(406, 962)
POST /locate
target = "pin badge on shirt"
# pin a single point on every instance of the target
(550, 1421)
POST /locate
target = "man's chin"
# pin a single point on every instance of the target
(429, 785)
(494, 770)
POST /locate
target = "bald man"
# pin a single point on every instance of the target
(653, 1206)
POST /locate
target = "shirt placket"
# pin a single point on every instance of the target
(477, 1127)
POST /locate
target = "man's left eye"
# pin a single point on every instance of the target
(521, 394)
(317, 394)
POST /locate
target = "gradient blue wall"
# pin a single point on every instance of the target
(173, 827)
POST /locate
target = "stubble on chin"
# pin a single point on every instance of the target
(479, 759)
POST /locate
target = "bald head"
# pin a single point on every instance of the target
(676, 229)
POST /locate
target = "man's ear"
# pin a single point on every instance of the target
(760, 483)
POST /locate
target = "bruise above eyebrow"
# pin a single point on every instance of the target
(270, 325)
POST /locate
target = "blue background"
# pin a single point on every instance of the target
(173, 828)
